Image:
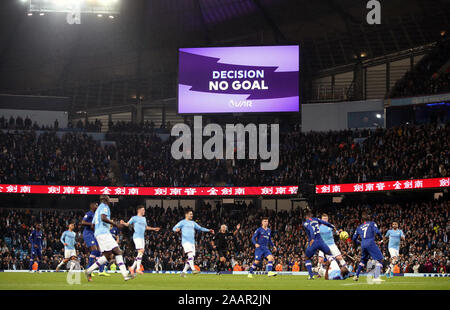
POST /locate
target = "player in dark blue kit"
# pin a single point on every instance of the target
(89, 238)
(261, 239)
(36, 246)
(315, 241)
(367, 231)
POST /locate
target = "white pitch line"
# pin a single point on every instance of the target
(361, 283)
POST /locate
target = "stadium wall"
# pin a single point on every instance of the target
(335, 116)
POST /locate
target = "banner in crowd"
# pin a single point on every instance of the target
(382, 186)
(238, 79)
(149, 191)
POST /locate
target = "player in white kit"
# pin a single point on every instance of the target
(327, 236)
(107, 244)
(139, 223)
(68, 239)
(188, 228)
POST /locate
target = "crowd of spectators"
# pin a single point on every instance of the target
(145, 159)
(409, 151)
(95, 126)
(19, 123)
(73, 158)
(130, 127)
(425, 224)
(425, 78)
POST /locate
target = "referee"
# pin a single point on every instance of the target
(220, 243)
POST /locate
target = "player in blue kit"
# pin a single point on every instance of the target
(315, 241)
(188, 228)
(68, 240)
(395, 235)
(139, 223)
(36, 246)
(89, 238)
(368, 231)
(107, 244)
(262, 240)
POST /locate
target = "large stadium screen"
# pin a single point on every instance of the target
(238, 79)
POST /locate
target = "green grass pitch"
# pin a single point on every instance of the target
(57, 281)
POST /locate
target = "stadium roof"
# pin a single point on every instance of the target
(43, 52)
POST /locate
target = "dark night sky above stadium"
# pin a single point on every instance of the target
(43, 48)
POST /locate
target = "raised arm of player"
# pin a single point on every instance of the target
(237, 229)
(198, 227)
(326, 223)
(127, 224)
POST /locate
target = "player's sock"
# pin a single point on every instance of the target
(360, 267)
(92, 258)
(121, 265)
(102, 267)
(191, 261)
(309, 267)
(269, 266)
(60, 264)
(99, 262)
(134, 264)
(252, 268)
(186, 267)
(139, 260)
(31, 264)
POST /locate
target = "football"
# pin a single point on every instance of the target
(343, 235)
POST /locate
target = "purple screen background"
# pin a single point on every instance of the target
(281, 75)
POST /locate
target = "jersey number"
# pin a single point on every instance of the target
(365, 231)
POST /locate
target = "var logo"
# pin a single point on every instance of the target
(374, 15)
(240, 103)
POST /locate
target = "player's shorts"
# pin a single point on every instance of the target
(89, 240)
(222, 252)
(393, 252)
(139, 243)
(106, 242)
(36, 252)
(188, 247)
(370, 250)
(261, 253)
(334, 251)
(318, 244)
(69, 253)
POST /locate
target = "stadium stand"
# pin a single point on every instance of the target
(409, 151)
(431, 75)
